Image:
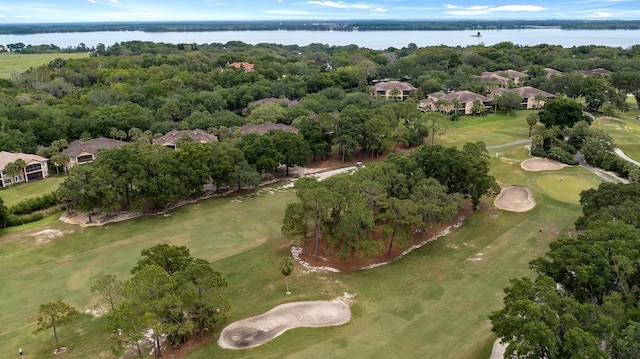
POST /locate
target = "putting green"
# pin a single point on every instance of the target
(565, 188)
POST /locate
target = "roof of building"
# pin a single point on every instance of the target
(246, 66)
(273, 99)
(8, 157)
(266, 127)
(551, 71)
(386, 86)
(461, 96)
(92, 146)
(172, 137)
(596, 71)
(524, 92)
(491, 77)
(511, 73)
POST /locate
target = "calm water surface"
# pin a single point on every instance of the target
(371, 39)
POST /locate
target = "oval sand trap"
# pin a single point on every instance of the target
(515, 199)
(541, 164)
(259, 329)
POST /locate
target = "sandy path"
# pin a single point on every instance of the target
(259, 329)
(541, 164)
(515, 199)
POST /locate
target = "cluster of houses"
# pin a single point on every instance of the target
(496, 83)
(80, 152)
(35, 167)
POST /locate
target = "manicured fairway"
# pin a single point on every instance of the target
(625, 131)
(433, 303)
(493, 129)
(15, 63)
(565, 188)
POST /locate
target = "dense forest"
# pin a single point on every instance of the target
(136, 91)
(319, 25)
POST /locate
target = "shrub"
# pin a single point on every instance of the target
(31, 205)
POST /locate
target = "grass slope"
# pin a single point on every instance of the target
(13, 194)
(15, 63)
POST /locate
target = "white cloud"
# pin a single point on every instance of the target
(23, 16)
(379, 9)
(343, 5)
(486, 9)
(287, 12)
(599, 14)
(92, 1)
(113, 1)
(2, 16)
(133, 15)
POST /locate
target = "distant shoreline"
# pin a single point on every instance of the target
(317, 25)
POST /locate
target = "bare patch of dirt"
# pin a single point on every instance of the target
(328, 260)
(47, 235)
(96, 310)
(609, 120)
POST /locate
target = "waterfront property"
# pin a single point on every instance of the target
(80, 152)
(27, 168)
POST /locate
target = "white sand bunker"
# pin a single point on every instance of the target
(259, 329)
(515, 199)
(541, 164)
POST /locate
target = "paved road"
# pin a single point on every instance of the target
(625, 157)
(597, 171)
(324, 175)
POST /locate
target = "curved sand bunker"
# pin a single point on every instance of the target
(541, 164)
(259, 329)
(515, 199)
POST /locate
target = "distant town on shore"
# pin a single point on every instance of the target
(325, 25)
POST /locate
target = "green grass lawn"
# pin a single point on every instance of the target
(18, 192)
(625, 130)
(433, 303)
(493, 129)
(13, 63)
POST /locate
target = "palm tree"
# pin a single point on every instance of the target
(286, 267)
(11, 170)
(21, 165)
(532, 120)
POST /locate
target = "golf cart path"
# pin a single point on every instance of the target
(622, 155)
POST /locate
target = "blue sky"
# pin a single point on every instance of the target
(44, 11)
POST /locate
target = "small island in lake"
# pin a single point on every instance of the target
(477, 35)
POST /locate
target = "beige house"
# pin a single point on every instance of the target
(35, 168)
(266, 127)
(458, 101)
(518, 77)
(532, 98)
(550, 72)
(492, 80)
(80, 152)
(393, 90)
(170, 140)
(597, 71)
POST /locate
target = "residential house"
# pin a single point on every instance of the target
(246, 66)
(35, 168)
(170, 140)
(492, 80)
(597, 71)
(532, 98)
(518, 77)
(446, 102)
(80, 152)
(266, 127)
(285, 101)
(551, 72)
(393, 90)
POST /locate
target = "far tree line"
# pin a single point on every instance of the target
(393, 198)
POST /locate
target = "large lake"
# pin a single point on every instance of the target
(377, 40)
